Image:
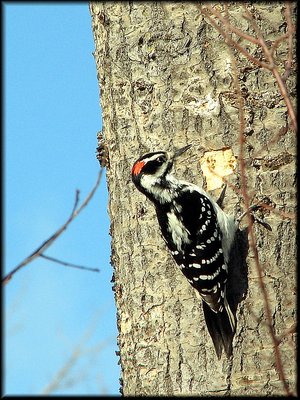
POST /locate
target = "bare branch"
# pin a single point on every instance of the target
(253, 245)
(226, 29)
(290, 331)
(231, 42)
(69, 264)
(274, 69)
(231, 27)
(276, 43)
(290, 32)
(45, 245)
(63, 376)
(268, 53)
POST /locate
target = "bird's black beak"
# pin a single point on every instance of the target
(181, 151)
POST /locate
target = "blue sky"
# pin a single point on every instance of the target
(51, 118)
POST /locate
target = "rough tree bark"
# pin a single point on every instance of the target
(166, 79)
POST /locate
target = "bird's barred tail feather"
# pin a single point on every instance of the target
(221, 327)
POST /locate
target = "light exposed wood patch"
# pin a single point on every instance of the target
(217, 164)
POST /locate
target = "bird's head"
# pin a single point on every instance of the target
(152, 168)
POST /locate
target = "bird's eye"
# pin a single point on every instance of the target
(160, 159)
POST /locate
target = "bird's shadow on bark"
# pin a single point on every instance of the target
(237, 285)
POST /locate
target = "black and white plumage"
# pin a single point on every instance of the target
(199, 235)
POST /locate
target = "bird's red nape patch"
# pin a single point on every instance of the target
(136, 169)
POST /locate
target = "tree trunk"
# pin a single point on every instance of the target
(166, 78)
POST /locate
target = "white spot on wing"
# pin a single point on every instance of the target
(210, 277)
(206, 290)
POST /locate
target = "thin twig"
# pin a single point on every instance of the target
(290, 331)
(46, 244)
(277, 41)
(252, 195)
(66, 264)
(253, 244)
(280, 81)
(233, 28)
(81, 349)
(270, 65)
(275, 140)
(291, 30)
(226, 29)
(233, 43)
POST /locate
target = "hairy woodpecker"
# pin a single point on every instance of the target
(198, 234)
